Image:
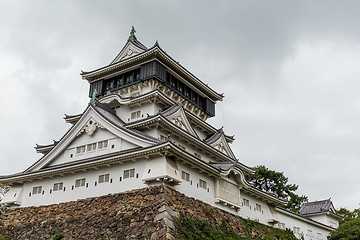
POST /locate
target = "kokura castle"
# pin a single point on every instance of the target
(146, 125)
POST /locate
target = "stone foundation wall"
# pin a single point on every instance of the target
(147, 213)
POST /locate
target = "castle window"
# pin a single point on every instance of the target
(202, 183)
(309, 233)
(119, 81)
(103, 144)
(136, 114)
(296, 230)
(162, 138)
(137, 74)
(182, 147)
(281, 225)
(58, 186)
(185, 176)
(197, 155)
(318, 236)
(104, 178)
(91, 147)
(37, 190)
(80, 182)
(129, 173)
(246, 202)
(80, 150)
(129, 78)
(258, 207)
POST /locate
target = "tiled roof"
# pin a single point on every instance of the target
(213, 138)
(224, 166)
(174, 108)
(315, 207)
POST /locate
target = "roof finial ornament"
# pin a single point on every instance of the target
(132, 32)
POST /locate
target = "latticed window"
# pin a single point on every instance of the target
(129, 173)
(281, 225)
(182, 147)
(91, 147)
(296, 230)
(258, 207)
(202, 184)
(185, 176)
(136, 114)
(80, 149)
(104, 178)
(80, 182)
(58, 186)
(103, 144)
(37, 190)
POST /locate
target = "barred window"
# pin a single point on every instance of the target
(103, 144)
(136, 114)
(202, 183)
(104, 178)
(80, 149)
(182, 147)
(80, 182)
(246, 202)
(91, 147)
(129, 173)
(58, 186)
(37, 190)
(197, 155)
(258, 207)
(185, 176)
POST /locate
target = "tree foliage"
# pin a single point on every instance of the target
(349, 227)
(276, 184)
(3, 190)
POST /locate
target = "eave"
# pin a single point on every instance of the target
(151, 54)
(154, 95)
(159, 119)
(83, 165)
(72, 118)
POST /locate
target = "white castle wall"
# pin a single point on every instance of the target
(73, 193)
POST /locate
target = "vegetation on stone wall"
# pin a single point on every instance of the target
(276, 184)
(195, 229)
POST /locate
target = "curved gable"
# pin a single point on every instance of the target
(94, 127)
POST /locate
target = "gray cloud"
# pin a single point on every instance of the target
(288, 71)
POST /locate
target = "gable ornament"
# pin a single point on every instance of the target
(90, 127)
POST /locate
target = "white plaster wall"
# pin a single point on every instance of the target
(192, 189)
(201, 134)
(250, 211)
(291, 222)
(114, 144)
(116, 186)
(124, 112)
(327, 220)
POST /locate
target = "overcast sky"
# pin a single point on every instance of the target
(289, 71)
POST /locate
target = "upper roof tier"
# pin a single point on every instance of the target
(134, 55)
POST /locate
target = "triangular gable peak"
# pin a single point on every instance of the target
(131, 48)
(176, 114)
(94, 119)
(219, 142)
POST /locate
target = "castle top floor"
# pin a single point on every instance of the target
(138, 70)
